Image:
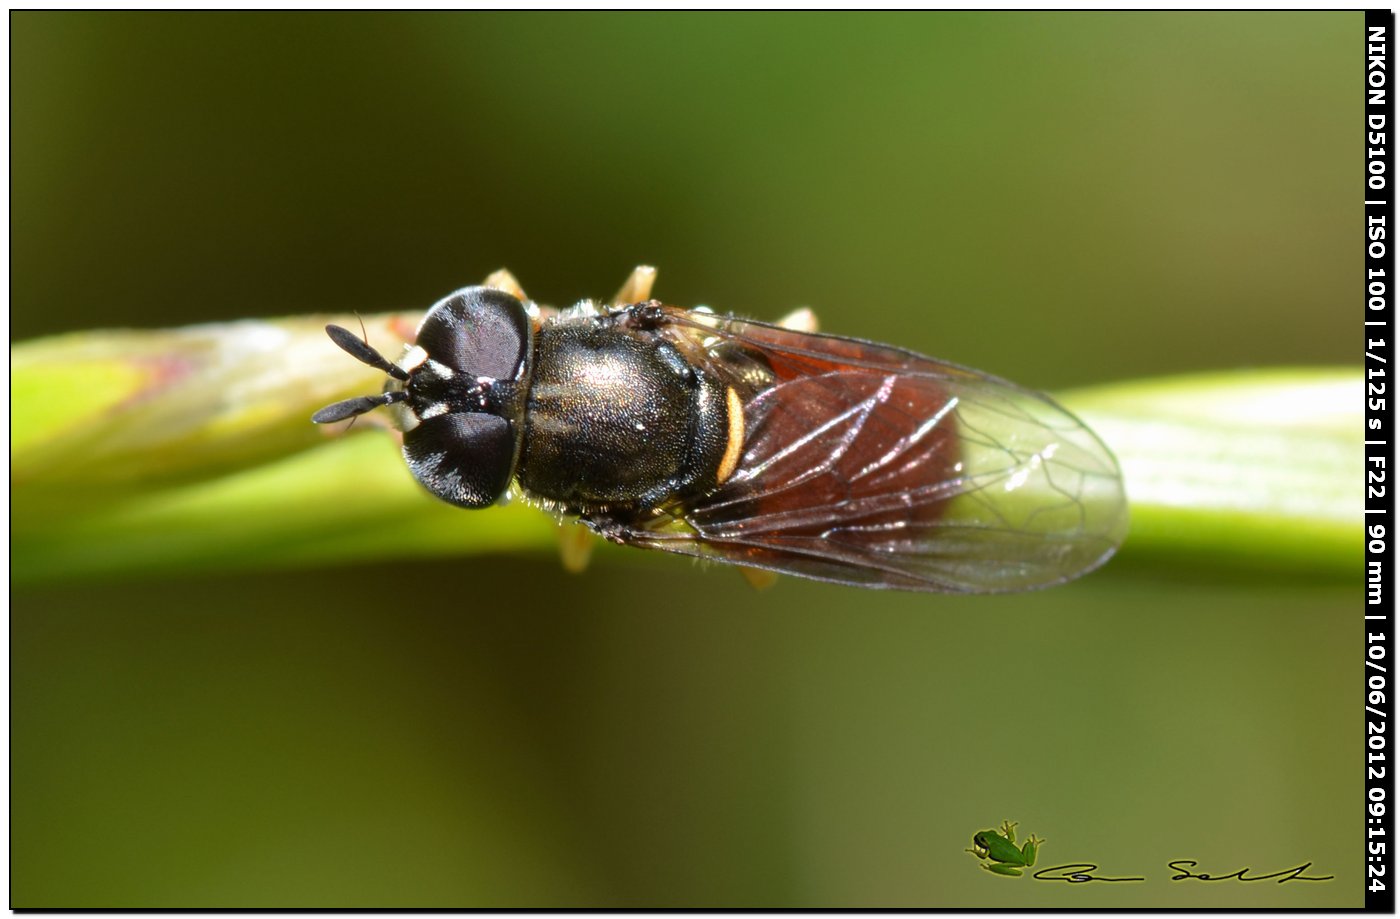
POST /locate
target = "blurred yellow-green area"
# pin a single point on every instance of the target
(1064, 199)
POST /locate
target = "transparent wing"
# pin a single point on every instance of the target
(869, 465)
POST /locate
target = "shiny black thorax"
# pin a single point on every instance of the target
(615, 418)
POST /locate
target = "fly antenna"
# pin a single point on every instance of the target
(362, 352)
(364, 337)
(351, 408)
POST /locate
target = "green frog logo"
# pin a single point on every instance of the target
(997, 849)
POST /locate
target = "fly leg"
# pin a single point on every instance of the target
(637, 287)
(801, 319)
(505, 281)
(575, 545)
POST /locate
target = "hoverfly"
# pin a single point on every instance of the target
(738, 441)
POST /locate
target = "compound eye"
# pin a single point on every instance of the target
(478, 331)
(465, 459)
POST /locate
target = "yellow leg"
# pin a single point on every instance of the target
(637, 287)
(800, 320)
(504, 280)
(759, 578)
(575, 546)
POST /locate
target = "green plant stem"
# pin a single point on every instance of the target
(1260, 467)
(142, 453)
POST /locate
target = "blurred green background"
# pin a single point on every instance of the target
(1062, 199)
